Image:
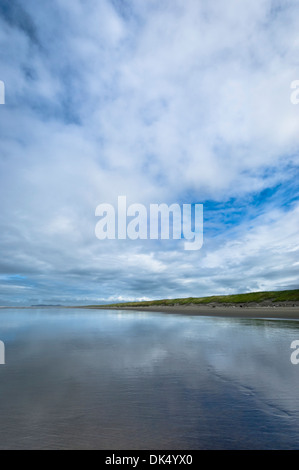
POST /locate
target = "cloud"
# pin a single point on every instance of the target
(174, 102)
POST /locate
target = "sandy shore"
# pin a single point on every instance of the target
(286, 310)
(253, 311)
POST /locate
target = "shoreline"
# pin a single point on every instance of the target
(284, 312)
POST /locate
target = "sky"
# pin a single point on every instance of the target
(161, 101)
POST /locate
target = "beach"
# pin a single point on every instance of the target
(87, 379)
(287, 310)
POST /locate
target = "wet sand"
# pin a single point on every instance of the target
(286, 311)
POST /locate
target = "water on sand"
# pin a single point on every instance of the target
(81, 379)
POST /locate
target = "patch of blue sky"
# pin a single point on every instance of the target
(223, 216)
(12, 277)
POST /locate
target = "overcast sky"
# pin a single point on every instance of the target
(163, 101)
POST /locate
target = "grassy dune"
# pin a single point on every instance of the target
(252, 297)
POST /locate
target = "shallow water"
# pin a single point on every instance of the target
(82, 379)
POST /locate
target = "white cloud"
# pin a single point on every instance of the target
(161, 103)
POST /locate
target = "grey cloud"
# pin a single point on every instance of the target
(161, 103)
(17, 16)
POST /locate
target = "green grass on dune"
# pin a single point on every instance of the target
(274, 296)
